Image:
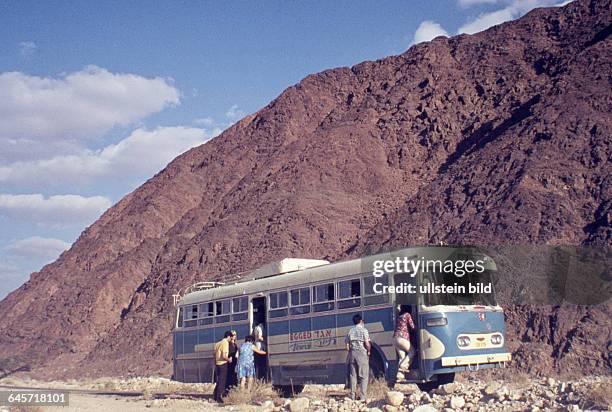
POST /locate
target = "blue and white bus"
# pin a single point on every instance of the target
(307, 306)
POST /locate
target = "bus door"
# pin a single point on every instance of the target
(257, 317)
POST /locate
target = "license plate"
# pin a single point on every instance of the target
(480, 344)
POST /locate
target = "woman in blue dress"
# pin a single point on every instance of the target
(246, 361)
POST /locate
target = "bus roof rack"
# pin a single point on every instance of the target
(286, 265)
(193, 288)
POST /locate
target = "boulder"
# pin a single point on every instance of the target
(447, 389)
(267, 406)
(425, 408)
(457, 402)
(299, 405)
(395, 398)
(410, 388)
(491, 388)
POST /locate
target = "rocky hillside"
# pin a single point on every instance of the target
(499, 137)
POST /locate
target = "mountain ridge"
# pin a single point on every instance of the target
(460, 140)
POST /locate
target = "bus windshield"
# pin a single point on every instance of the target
(467, 290)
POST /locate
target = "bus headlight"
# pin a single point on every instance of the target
(463, 341)
(437, 322)
(497, 339)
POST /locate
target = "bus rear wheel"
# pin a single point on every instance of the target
(287, 391)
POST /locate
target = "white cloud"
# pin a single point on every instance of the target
(27, 48)
(212, 127)
(12, 150)
(428, 30)
(470, 3)
(513, 10)
(204, 121)
(36, 247)
(234, 113)
(59, 210)
(143, 153)
(82, 104)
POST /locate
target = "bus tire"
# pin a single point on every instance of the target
(443, 379)
(287, 391)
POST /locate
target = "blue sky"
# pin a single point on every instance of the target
(95, 97)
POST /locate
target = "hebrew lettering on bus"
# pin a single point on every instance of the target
(308, 340)
(315, 334)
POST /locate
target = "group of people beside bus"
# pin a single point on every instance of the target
(235, 365)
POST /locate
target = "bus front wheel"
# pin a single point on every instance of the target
(443, 379)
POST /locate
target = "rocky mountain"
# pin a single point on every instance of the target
(502, 137)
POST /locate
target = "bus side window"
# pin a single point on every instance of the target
(222, 311)
(278, 304)
(190, 316)
(207, 313)
(323, 297)
(370, 296)
(349, 293)
(240, 308)
(300, 301)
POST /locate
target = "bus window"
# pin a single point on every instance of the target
(207, 313)
(370, 295)
(323, 297)
(222, 311)
(300, 301)
(191, 316)
(278, 304)
(240, 308)
(349, 293)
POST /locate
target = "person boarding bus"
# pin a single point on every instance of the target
(401, 340)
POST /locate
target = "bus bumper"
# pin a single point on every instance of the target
(476, 359)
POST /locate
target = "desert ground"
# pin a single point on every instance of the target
(520, 393)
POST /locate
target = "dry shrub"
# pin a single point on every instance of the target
(260, 392)
(519, 380)
(109, 386)
(597, 396)
(377, 389)
(148, 394)
(238, 396)
(10, 382)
